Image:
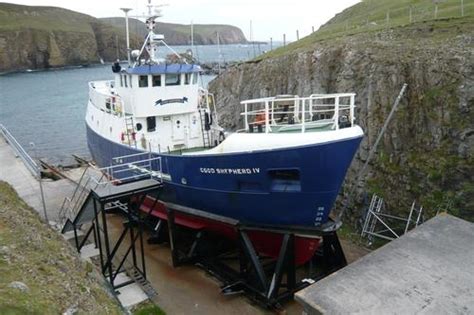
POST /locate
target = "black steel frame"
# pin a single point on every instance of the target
(269, 282)
(111, 264)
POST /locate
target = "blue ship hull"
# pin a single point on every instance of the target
(283, 187)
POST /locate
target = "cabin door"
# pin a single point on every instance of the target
(178, 127)
(194, 126)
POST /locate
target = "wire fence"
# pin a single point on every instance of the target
(376, 14)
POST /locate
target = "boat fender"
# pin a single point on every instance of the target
(221, 136)
(122, 136)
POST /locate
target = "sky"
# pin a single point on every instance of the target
(269, 18)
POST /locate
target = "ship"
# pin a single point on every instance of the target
(283, 169)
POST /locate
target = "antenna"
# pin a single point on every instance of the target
(156, 13)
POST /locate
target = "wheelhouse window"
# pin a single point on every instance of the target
(195, 78)
(187, 78)
(156, 80)
(130, 80)
(121, 81)
(143, 81)
(125, 80)
(173, 79)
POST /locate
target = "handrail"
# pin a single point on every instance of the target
(311, 97)
(25, 157)
(143, 168)
(301, 110)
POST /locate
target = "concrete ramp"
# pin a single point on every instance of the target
(430, 270)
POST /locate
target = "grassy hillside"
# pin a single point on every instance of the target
(54, 279)
(14, 17)
(370, 16)
(33, 37)
(180, 34)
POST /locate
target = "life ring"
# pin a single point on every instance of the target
(221, 136)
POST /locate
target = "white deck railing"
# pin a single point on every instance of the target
(131, 168)
(294, 113)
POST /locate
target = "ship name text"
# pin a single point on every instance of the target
(229, 171)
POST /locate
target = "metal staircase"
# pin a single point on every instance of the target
(71, 205)
(128, 168)
(121, 189)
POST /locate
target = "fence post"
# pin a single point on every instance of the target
(284, 39)
(40, 182)
(411, 15)
(462, 7)
(388, 17)
(436, 11)
(297, 35)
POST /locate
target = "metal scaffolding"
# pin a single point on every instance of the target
(386, 226)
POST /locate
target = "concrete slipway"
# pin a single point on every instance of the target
(430, 270)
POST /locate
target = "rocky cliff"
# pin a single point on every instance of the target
(44, 37)
(427, 153)
(179, 34)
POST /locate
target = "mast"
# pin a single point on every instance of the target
(126, 10)
(219, 51)
(192, 37)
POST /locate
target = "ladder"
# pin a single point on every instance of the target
(205, 133)
(130, 127)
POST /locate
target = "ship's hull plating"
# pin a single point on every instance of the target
(250, 187)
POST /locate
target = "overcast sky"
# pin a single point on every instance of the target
(270, 18)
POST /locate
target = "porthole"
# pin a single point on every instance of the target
(139, 127)
(110, 129)
(92, 117)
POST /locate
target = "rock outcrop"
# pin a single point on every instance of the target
(427, 153)
(180, 34)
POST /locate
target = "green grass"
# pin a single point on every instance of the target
(370, 16)
(147, 308)
(14, 17)
(37, 256)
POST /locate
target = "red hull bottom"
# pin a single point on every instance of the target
(266, 243)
